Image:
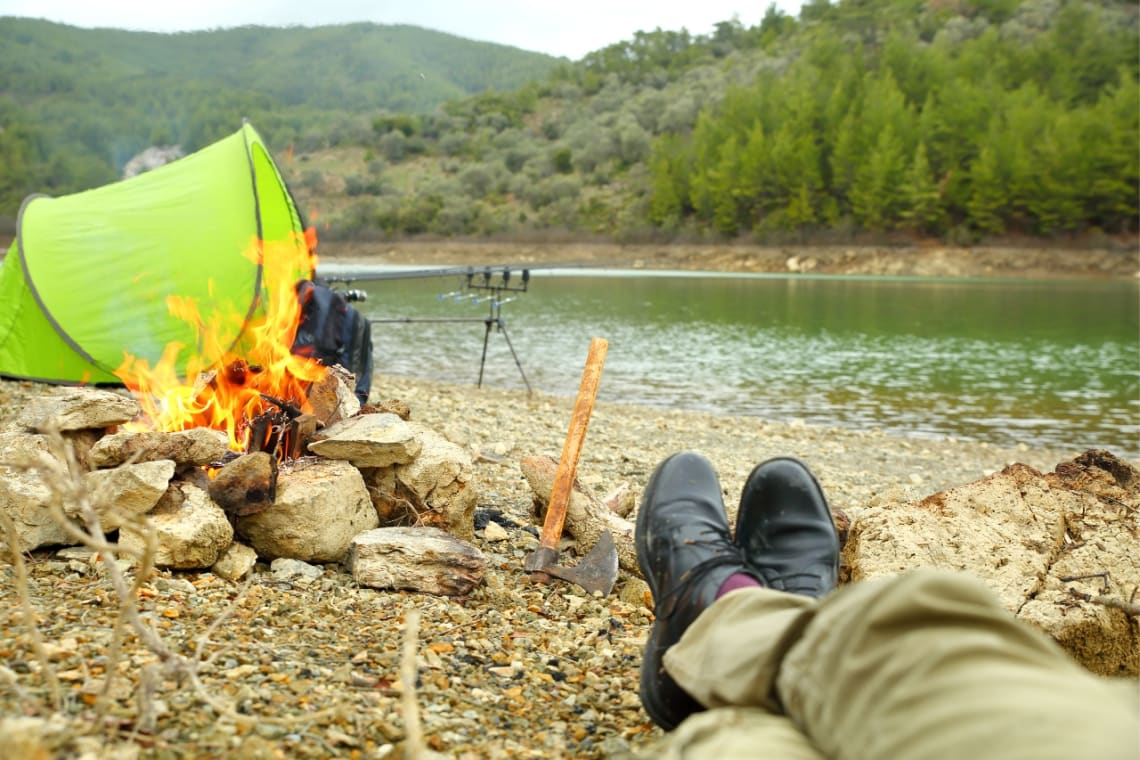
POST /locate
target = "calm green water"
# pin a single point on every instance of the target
(1040, 363)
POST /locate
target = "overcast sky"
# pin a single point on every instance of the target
(569, 28)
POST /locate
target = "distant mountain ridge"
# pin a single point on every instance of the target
(76, 104)
(348, 66)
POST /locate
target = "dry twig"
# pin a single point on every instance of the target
(414, 748)
(1128, 608)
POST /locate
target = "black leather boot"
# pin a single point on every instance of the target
(785, 530)
(685, 552)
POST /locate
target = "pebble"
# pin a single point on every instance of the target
(495, 532)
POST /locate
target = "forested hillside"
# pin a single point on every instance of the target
(76, 104)
(958, 120)
(870, 117)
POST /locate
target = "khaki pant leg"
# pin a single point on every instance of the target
(924, 665)
(731, 653)
(727, 733)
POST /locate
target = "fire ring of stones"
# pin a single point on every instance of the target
(359, 471)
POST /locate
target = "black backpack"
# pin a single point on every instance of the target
(333, 332)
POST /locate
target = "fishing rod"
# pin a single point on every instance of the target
(492, 284)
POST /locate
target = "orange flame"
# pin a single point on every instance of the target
(226, 393)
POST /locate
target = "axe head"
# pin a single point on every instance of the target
(596, 572)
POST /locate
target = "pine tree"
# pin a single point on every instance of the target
(922, 201)
(987, 200)
(877, 198)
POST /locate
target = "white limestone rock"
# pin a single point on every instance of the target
(369, 440)
(321, 504)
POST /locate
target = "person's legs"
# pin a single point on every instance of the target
(690, 560)
(923, 665)
(686, 554)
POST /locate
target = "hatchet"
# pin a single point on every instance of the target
(597, 571)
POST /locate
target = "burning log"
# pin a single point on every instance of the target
(282, 434)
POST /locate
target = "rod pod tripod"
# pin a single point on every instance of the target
(475, 283)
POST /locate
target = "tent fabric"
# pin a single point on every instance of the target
(87, 279)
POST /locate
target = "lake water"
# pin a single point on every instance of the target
(1044, 363)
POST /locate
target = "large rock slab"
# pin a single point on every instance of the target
(132, 489)
(1098, 565)
(1054, 547)
(191, 530)
(369, 440)
(321, 504)
(427, 560)
(197, 446)
(78, 408)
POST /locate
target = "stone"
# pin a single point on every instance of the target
(333, 397)
(191, 531)
(77, 408)
(131, 489)
(391, 406)
(436, 489)
(81, 442)
(1053, 547)
(368, 440)
(426, 560)
(25, 736)
(247, 485)
(495, 532)
(284, 569)
(236, 562)
(197, 446)
(81, 553)
(440, 481)
(635, 592)
(321, 504)
(24, 496)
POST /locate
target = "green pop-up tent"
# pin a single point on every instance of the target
(87, 279)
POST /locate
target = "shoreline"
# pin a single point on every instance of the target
(625, 442)
(1114, 262)
(901, 261)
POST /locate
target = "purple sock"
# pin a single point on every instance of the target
(735, 581)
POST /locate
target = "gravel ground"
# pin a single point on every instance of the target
(513, 670)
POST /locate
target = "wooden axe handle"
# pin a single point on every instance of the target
(575, 436)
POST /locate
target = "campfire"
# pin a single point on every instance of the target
(241, 376)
